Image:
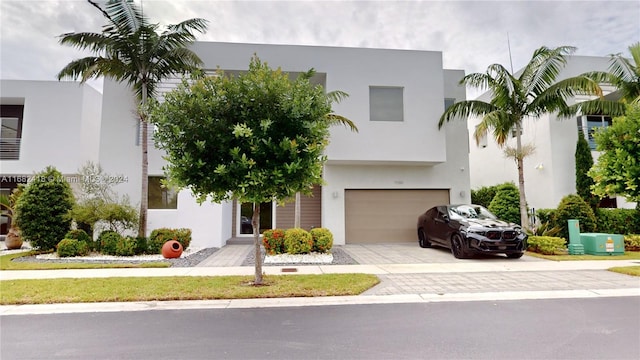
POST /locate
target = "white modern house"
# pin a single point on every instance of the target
(549, 172)
(377, 181)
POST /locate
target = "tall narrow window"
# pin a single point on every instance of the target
(10, 131)
(386, 103)
(161, 197)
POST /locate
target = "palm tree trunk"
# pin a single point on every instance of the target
(144, 199)
(524, 216)
(255, 222)
(296, 212)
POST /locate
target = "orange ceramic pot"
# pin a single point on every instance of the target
(171, 249)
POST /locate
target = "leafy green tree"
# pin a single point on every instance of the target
(132, 50)
(505, 204)
(42, 213)
(624, 74)
(527, 94)
(617, 170)
(254, 138)
(584, 163)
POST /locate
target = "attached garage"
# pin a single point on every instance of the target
(387, 216)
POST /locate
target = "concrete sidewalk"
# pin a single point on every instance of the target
(407, 274)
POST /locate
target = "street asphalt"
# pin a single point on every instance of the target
(408, 274)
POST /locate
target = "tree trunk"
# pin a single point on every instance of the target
(296, 214)
(524, 216)
(144, 199)
(255, 222)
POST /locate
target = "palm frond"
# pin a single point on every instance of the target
(124, 15)
(464, 109)
(598, 106)
(337, 96)
(543, 69)
(335, 119)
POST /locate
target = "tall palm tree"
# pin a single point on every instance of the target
(130, 49)
(531, 92)
(624, 74)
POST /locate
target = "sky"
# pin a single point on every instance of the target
(470, 34)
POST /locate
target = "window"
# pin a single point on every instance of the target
(386, 104)
(10, 131)
(589, 124)
(161, 197)
(448, 102)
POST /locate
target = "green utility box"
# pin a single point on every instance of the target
(602, 244)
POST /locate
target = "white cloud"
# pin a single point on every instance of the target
(471, 34)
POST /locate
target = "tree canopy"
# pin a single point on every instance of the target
(256, 137)
(617, 170)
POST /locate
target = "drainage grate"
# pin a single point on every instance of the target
(289, 270)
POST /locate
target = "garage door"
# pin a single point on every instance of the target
(386, 216)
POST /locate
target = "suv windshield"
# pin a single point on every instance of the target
(470, 212)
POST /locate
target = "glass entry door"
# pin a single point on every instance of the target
(246, 213)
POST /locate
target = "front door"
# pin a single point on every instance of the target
(246, 213)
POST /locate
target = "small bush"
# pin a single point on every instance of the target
(82, 235)
(618, 221)
(273, 241)
(297, 241)
(506, 203)
(160, 236)
(126, 246)
(483, 195)
(322, 239)
(108, 242)
(72, 247)
(545, 229)
(141, 245)
(632, 243)
(547, 245)
(574, 207)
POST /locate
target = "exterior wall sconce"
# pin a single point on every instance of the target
(334, 194)
(540, 166)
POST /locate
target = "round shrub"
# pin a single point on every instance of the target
(273, 241)
(158, 238)
(82, 235)
(506, 203)
(183, 236)
(483, 195)
(141, 245)
(126, 246)
(108, 242)
(72, 247)
(297, 241)
(42, 210)
(322, 239)
(574, 207)
(632, 243)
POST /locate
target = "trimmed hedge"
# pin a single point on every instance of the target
(126, 246)
(632, 243)
(108, 240)
(322, 239)
(160, 236)
(506, 203)
(547, 245)
(297, 241)
(574, 207)
(273, 241)
(618, 221)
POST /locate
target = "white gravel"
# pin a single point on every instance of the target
(313, 258)
(102, 257)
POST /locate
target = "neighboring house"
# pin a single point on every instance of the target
(549, 172)
(46, 123)
(377, 181)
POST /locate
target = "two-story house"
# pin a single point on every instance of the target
(376, 181)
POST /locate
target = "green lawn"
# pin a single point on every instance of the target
(180, 288)
(7, 264)
(629, 270)
(628, 255)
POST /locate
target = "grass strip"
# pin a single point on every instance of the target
(49, 291)
(628, 270)
(628, 255)
(7, 264)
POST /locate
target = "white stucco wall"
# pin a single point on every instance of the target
(60, 125)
